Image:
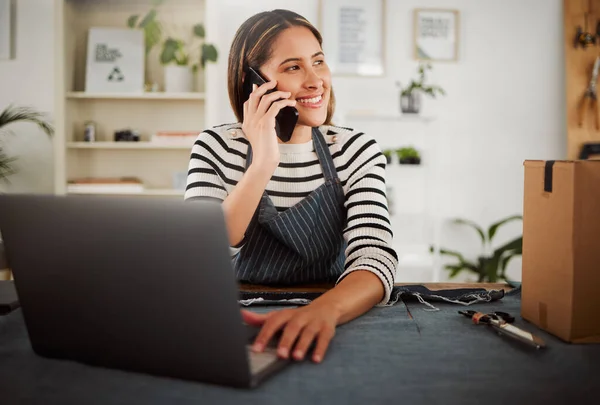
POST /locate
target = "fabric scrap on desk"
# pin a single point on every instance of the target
(263, 301)
(461, 296)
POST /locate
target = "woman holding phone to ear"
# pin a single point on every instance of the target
(311, 210)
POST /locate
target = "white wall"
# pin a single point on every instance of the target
(505, 98)
(28, 80)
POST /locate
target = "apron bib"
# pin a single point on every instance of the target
(303, 244)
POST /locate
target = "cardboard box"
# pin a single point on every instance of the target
(561, 248)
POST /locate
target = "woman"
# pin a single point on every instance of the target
(310, 210)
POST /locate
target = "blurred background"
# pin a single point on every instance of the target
(458, 93)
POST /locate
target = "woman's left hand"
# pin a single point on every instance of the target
(301, 326)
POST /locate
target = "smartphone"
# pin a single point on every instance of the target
(286, 119)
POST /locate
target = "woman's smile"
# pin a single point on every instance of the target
(311, 101)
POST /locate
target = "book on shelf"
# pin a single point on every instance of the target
(117, 185)
(184, 138)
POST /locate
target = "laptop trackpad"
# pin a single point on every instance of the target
(259, 362)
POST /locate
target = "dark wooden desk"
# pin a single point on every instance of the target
(383, 357)
(325, 287)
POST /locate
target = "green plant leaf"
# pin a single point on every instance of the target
(494, 227)
(504, 253)
(199, 30)
(473, 225)
(455, 269)
(6, 167)
(14, 114)
(515, 244)
(151, 16)
(152, 35)
(209, 53)
(131, 21)
(507, 258)
(170, 48)
(456, 254)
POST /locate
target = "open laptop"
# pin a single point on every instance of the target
(136, 284)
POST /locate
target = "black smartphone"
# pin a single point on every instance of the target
(286, 119)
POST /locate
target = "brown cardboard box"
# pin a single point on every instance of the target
(561, 248)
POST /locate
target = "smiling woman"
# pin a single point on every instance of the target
(311, 210)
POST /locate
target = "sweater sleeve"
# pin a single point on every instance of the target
(368, 232)
(203, 179)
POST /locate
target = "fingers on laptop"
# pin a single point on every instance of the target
(271, 326)
(300, 331)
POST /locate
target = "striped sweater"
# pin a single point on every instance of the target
(218, 161)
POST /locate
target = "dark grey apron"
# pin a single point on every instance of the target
(303, 244)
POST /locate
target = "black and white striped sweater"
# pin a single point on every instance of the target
(218, 160)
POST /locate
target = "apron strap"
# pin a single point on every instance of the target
(325, 158)
(249, 156)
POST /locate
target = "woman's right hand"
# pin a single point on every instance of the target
(260, 111)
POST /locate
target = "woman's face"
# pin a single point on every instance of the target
(298, 65)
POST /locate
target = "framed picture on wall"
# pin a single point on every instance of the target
(353, 36)
(436, 35)
(115, 60)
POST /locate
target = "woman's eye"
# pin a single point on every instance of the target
(319, 62)
(295, 67)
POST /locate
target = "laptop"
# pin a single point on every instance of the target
(144, 285)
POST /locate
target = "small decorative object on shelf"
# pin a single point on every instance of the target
(89, 133)
(408, 155)
(410, 96)
(106, 185)
(186, 138)
(127, 135)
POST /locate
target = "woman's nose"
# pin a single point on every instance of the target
(312, 79)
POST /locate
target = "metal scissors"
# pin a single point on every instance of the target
(590, 97)
(501, 322)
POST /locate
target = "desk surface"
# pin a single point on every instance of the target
(431, 286)
(401, 354)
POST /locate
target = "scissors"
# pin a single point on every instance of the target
(590, 97)
(501, 322)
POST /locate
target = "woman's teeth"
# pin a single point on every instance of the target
(313, 100)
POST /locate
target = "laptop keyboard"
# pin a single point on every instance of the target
(260, 361)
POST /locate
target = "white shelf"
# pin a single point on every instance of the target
(374, 116)
(125, 145)
(167, 192)
(135, 96)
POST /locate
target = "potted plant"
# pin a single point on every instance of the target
(388, 155)
(410, 96)
(489, 267)
(408, 155)
(182, 59)
(10, 116)
(150, 25)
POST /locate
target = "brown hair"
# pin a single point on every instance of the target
(252, 47)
